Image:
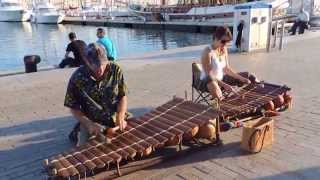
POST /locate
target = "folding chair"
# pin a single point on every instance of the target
(203, 95)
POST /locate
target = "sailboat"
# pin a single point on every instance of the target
(202, 11)
(108, 8)
(118, 8)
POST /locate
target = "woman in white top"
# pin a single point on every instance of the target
(215, 64)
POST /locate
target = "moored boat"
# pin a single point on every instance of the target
(46, 13)
(200, 12)
(12, 11)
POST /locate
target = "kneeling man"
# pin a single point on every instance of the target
(96, 95)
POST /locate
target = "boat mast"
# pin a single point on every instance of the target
(312, 8)
(81, 3)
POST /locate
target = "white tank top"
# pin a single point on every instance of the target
(218, 63)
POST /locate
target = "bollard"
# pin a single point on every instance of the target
(30, 63)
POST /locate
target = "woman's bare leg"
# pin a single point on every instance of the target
(214, 89)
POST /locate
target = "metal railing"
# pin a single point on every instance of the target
(277, 28)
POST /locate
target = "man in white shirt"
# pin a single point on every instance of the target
(301, 22)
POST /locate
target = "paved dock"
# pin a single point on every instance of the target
(34, 124)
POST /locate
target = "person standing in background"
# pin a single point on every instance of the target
(107, 44)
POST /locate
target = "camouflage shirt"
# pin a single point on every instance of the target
(98, 100)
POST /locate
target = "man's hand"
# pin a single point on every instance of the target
(121, 114)
(245, 81)
(95, 128)
(122, 125)
(92, 127)
(119, 126)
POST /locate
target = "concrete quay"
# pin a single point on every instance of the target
(186, 26)
(34, 124)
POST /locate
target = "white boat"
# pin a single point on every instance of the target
(102, 11)
(93, 11)
(46, 13)
(12, 11)
(194, 12)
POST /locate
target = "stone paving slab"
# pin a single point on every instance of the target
(34, 124)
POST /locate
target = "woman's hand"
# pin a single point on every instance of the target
(229, 89)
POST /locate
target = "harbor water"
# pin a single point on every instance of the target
(50, 41)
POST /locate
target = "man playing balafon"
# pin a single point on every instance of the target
(96, 95)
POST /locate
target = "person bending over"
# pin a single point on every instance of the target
(96, 95)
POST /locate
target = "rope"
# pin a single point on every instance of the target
(258, 131)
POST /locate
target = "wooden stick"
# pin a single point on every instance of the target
(54, 172)
(46, 163)
(118, 169)
(186, 95)
(180, 145)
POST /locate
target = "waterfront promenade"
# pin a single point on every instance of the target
(34, 124)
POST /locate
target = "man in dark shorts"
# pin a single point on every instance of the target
(302, 22)
(96, 96)
(77, 47)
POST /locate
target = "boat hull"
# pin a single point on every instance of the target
(196, 12)
(47, 19)
(14, 15)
